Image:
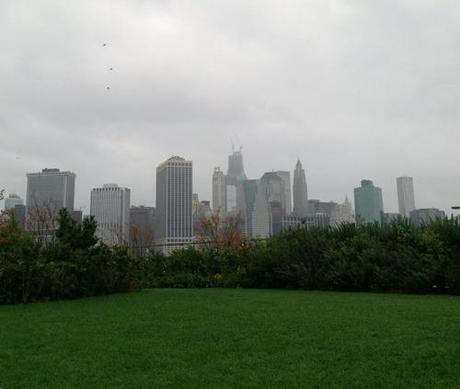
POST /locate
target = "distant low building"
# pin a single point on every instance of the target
(12, 200)
(77, 215)
(295, 222)
(318, 206)
(342, 213)
(388, 217)
(426, 215)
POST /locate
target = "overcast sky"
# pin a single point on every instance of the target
(355, 89)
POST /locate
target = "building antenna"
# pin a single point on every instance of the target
(233, 145)
(239, 143)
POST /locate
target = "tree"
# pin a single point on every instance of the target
(76, 235)
(221, 231)
(41, 222)
(140, 241)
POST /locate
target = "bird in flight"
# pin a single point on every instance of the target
(104, 44)
(108, 88)
(111, 69)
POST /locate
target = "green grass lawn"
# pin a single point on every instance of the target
(224, 338)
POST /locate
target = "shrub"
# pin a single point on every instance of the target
(394, 257)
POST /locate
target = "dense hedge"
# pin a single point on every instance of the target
(393, 257)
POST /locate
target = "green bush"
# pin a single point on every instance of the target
(394, 257)
(71, 266)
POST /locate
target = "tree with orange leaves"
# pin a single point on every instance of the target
(221, 231)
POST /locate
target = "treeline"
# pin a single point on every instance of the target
(397, 257)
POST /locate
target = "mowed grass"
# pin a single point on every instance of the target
(233, 339)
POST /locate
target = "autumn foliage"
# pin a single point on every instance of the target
(221, 231)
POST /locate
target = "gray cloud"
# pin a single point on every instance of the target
(354, 88)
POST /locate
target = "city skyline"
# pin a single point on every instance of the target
(338, 198)
(261, 203)
(326, 82)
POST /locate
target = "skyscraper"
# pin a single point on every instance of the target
(300, 191)
(286, 176)
(275, 193)
(249, 188)
(274, 188)
(12, 200)
(368, 202)
(174, 221)
(260, 220)
(235, 176)
(235, 166)
(219, 191)
(51, 189)
(110, 208)
(406, 201)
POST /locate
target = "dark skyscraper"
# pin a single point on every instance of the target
(235, 176)
(48, 192)
(300, 191)
(52, 189)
